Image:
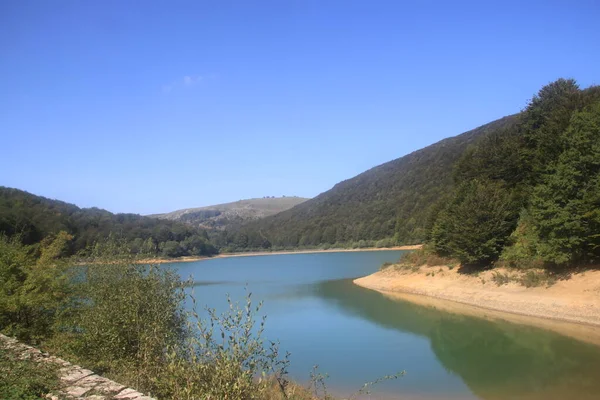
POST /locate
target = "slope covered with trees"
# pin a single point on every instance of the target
(389, 204)
(524, 189)
(35, 218)
(531, 195)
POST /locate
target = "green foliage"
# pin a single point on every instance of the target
(32, 292)
(25, 379)
(544, 122)
(565, 207)
(227, 357)
(477, 223)
(424, 256)
(34, 218)
(524, 242)
(500, 278)
(533, 278)
(495, 157)
(391, 202)
(546, 167)
(126, 316)
(127, 321)
(385, 265)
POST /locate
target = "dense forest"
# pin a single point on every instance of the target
(389, 204)
(524, 188)
(35, 219)
(530, 194)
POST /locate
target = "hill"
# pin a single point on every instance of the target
(229, 215)
(35, 218)
(390, 202)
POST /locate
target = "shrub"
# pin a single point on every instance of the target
(537, 278)
(226, 357)
(500, 279)
(385, 265)
(121, 317)
(32, 291)
(425, 256)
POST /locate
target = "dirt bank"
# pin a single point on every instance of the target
(271, 253)
(570, 306)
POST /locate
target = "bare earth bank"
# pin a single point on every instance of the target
(570, 307)
(272, 253)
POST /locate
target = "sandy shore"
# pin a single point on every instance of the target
(270, 253)
(570, 307)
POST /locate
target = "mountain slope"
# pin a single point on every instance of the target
(34, 218)
(392, 199)
(233, 214)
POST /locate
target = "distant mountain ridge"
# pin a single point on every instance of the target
(392, 200)
(228, 215)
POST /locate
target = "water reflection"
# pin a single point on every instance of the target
(495, 359)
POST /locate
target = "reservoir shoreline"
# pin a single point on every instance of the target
(570, 306)
(271, 253)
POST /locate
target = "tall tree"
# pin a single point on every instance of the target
(566, 206)
(477, 222)
(543, 123)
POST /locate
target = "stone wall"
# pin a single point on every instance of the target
(78, 383)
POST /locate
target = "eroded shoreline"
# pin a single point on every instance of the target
(570, 307)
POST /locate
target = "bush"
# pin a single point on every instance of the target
(226, 358)
(537, 278)
(32, 291)
(523, 249)
(500, 279)
(126, 316)
(385, 265)
(425, 256)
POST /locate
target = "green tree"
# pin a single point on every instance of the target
(32, 292)
(171, 248)
(543, 123)
(477, 222)
(565, 207)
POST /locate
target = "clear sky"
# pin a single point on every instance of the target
(150, 106)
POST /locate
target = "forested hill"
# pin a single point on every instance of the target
(523, 190)
(34, 218)
(234, 214)
(390, 201)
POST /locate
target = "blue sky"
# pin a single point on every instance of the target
(151, 106)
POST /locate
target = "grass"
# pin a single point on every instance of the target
(25, 379)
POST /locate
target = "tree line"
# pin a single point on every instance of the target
(35, 218)
(529, 194)
(386, 205)
(523, 190)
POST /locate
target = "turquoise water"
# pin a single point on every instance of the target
(357, 335)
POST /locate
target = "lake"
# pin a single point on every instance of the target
(357, 335)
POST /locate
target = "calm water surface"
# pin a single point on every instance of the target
(357, 335)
